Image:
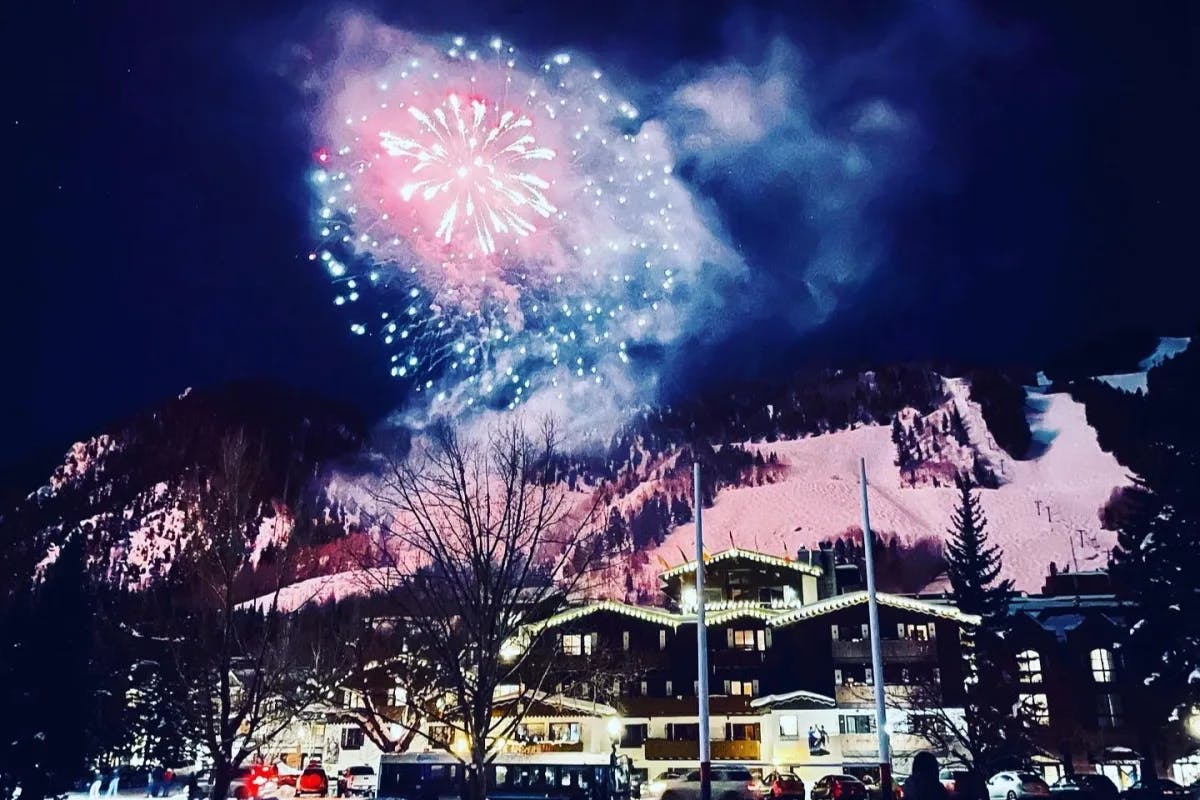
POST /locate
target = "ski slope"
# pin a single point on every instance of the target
(1046, 511)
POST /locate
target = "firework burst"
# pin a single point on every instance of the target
(508, 232)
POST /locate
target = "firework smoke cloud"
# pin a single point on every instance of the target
(511, 229)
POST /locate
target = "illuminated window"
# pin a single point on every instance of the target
(1102, 665)
(1035, 706)
(747, 640)
(576, 644)
(1108, 710)
(564, 732)
(1029, 666)
(741, 688)
(353, 699)
(397, 696)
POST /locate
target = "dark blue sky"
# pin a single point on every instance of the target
(158, 216)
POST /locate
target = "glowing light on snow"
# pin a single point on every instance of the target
(508, 232)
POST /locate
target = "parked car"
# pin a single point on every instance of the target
(875, 791)
(1084, 786)
(839, 787)
(728, 783)
(1145, 790)
(958, 783)
(250, 783)
(784, 784)
(314, 781)
(356, 781)
(1017, 786)
(653, 788)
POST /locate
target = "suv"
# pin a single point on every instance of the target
(356, 780)
(728, 783)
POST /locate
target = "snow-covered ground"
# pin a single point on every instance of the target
(1168, 347)
(1046, 511)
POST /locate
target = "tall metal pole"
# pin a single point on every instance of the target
(885, 756)
(701, 642)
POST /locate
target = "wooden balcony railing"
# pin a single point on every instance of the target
(721, 750)
(893, 650)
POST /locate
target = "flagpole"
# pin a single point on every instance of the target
(885, 757)
(701, 643)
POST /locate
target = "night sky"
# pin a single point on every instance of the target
(1040, 192)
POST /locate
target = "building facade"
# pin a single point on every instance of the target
(790, 674)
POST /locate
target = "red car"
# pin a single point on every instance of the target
(312, 781)
(784, 784)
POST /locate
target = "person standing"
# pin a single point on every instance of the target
(923, 784)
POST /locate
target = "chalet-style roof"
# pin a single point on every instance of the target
(542, 704)
(658, 616)
(797, 700)
(774, 617)
(736, 553)
(858, 598)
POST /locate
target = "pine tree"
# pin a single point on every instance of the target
(1154, 566)
(973, 566)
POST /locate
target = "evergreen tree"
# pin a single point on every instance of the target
(50, 686)
(1155, 567)
(997, 736)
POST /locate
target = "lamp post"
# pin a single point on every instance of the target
(614, 728)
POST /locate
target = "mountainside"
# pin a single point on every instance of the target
(779, 465)
(124, 490)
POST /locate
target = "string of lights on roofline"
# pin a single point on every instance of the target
(514, 228)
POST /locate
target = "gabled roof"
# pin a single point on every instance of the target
(657, 616)
(559, 701)
(851, 599)
(798, 699)
(735, 553)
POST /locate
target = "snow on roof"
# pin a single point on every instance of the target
(793, 700)
(558, 701)
(858, 598)
(748, 555)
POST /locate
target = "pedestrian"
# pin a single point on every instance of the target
(94, 790)
(151, 784)
(923, 784)
(168, 780)
(114, 784)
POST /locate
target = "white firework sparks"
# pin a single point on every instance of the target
(474, 165)
(511, 235)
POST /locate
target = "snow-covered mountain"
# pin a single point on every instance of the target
(124, 491)
(780, 467)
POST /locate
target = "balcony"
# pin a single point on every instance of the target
(721, 750)
(894, 650)
(734, 657)
(862, 694)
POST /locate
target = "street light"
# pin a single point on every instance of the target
(614, 728)
(1192, 723)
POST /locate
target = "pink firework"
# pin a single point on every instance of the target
(472, 163)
